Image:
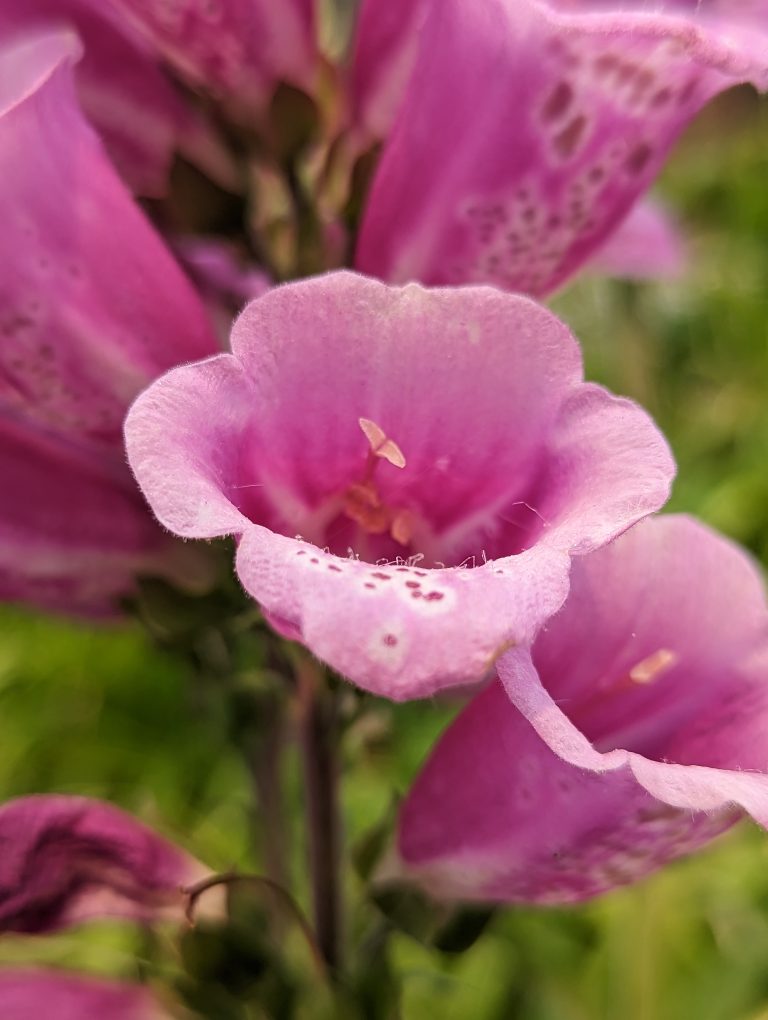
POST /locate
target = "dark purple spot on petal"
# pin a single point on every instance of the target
(638, 158)
(382, 577)
(334, 568)
(567, 140)
(390, 640)
(558, 102)
(413, 584)
(369, 585)
(434, 596)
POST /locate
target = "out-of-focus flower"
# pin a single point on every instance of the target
(70, 859)
(407, 435)
(31, 994)
(235, 49)
(633, 732)
(647, 243)
(529, 128)
(125, 93)
(92, 308)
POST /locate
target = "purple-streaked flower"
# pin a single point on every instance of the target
(368, 445)
(70, 859)
(632, 733)
(31, 994)
(92, 308)
(529, 128)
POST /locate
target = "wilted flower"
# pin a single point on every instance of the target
(633, 732)
(92, 308)
(529, 128)
(70, 859)
(405, 435)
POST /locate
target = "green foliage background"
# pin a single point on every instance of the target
(104, 713)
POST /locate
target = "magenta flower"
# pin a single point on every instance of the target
(403, 434)
(31, 994)
(529, 128)
(633, 732)
(92, 308)
(69, 859)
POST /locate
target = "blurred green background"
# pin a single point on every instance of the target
(105, 713)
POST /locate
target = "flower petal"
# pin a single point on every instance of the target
(92, 306)
(124, 92)
(384, 51)
(74, 531)
(70, 859)
(647, 244)
(478, 391)
(30, 994)
(527, 132)
(240, 48)
(660, 658)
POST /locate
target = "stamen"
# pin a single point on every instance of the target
(653, 666)
(380, 443)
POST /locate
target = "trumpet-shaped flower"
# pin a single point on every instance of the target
(407, 471)
(92, 308)
(632, 733)
(529, 128)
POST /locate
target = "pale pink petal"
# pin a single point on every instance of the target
(527, 132)
(647, 244)
(479, 393)
(70, 859)
(633, 732)
(240, 49)
(32, 994)
(92, 305)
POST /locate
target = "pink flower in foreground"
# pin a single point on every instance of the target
(92, 308)
(634, 732)
(32, 994)
(404, 434)
(70, 859)
(529, 128)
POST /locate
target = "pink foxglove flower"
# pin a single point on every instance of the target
(32, 994)
(70, 859)
(407, 471)
(633, 732)
(529, 128)
(92, 308)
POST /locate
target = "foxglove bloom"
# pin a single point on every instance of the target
(70, 859)
(403, 434)
(632, 733)
(31, 994)
(92, 308)
(528, 129)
